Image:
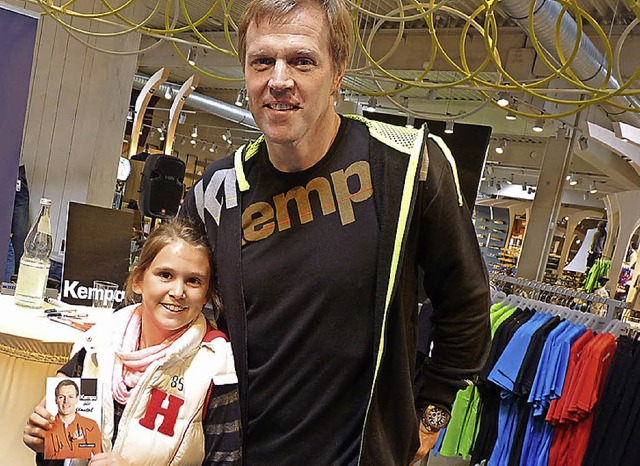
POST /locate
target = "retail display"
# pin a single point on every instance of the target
(544, 384)
(34, 264)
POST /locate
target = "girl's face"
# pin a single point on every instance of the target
(174, 291)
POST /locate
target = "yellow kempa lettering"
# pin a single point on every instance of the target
(344, 196)
(303, 204)
(257, 221)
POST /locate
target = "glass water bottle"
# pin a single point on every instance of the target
(35, 263)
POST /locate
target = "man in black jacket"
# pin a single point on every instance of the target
(319, 228)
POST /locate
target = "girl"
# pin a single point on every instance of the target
(168, 380)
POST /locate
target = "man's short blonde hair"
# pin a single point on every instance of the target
(336, 12)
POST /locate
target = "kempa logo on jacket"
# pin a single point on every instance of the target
(261, 219)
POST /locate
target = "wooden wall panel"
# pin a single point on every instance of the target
(76, 116)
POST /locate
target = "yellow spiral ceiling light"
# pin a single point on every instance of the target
(166, 20)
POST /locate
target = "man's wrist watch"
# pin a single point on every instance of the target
(434, 418)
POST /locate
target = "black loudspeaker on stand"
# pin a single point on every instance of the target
(162, 186)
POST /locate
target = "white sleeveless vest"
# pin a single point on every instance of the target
(162, 420)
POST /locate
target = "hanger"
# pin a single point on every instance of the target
(616, 327)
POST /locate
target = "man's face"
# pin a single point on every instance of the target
(290, 76)
(67, 400)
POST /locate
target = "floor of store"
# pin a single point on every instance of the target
(444, 461)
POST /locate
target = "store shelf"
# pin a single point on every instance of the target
(492, 229)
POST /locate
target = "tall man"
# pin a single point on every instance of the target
(319, 229)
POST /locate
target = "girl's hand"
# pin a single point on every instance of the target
(108, 459)
(36, 427)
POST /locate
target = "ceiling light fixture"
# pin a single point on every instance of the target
(372, 103)
(538, 126)
(227, 136)
(593, 188)
(448, 127)
(572, 180)
(168, 93)
(194, 133)
(501, 147)
(212, 148)
(503, 100)
(411, 121)
(192, 55)
(182, 118)
(240, 98)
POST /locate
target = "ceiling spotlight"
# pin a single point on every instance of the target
(503, 100)
(583, 143)
(492, 182)
(162, 136)
(524, 186)
(204, 146)
(501, 147)
(130, 114)
(240, 98)
(212, 148)
(531, 190)
(192, 55)
(411, 121)
(183, 141)
(510, 179)
(623, 139)
(498, 186)
(227, 135)
(572, 180)
(432, 94)
(194, 133)
(193, 142)
(372, 103)
(593, 188)
(538, 126)
(448, 127)
(182, 118)
(168, 94)
(161, 128)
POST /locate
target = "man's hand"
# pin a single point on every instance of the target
(37, 425)
(427, 442)
(108, 459)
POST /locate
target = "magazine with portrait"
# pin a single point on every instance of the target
(76, 406)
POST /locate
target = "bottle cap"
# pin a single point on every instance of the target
(45, 201)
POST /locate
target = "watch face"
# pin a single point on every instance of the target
(124, 169)
(436, 418)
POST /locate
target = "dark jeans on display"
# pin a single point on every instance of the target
(10, 267)
(20, 222)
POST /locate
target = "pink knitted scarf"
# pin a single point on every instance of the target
(131, 362)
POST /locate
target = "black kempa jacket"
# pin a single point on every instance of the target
(423, 224)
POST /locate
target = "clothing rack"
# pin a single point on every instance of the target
(614, 306)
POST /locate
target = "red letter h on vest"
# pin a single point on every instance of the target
(169, 414)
